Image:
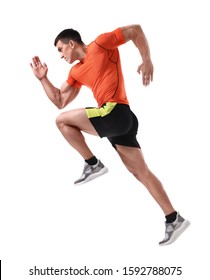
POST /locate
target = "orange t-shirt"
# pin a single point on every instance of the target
(101, 69)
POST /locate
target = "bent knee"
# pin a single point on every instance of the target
(60, 120)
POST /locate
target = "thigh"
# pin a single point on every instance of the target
(77, 118)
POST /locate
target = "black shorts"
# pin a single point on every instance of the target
(116, 122)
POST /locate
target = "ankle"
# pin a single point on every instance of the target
(92, 161)
(171, 217)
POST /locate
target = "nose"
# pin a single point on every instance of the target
(61, 55)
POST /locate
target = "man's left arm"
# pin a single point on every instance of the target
(137, 36)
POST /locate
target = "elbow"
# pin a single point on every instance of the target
(137, 29)
(60, 106)
(138, 26)
(132, 32)
(59, 102)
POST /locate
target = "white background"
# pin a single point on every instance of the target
(111, 222)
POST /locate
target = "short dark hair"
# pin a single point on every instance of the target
(68, 34)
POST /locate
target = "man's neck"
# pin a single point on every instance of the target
(82, 52)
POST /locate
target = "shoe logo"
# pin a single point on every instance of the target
(88, 171)
(170, 228)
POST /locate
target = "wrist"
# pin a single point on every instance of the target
(42, 79)
(146, 59)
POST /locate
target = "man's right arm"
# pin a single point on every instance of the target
(60, 97)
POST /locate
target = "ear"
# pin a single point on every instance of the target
(71, 44)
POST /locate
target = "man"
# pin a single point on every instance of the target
(99, 68)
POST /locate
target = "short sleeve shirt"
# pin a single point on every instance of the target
(101, 69)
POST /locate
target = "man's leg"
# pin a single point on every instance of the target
(135, 163)
(72, 124)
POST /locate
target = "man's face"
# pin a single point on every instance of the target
(66, 51)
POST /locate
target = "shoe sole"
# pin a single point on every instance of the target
(93, 176)
(177, 233)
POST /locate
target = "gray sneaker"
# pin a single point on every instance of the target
(91, 172)
(174, 230)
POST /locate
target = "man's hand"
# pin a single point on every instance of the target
(146, 69)
(40, 70)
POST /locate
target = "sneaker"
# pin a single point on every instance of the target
(91, 172)
(174, 230)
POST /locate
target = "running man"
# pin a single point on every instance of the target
(99, 68)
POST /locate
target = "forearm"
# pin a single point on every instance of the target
(137, 36)
(141, 43)
(60, 97)
(52, 92)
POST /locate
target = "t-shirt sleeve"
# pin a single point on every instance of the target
(111, 40)
(72, 82)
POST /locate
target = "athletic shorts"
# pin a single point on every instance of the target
(116, 122)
